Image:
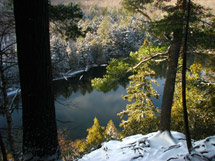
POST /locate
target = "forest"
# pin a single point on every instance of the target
(44, 41)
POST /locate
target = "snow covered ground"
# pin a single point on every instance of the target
(154, 147)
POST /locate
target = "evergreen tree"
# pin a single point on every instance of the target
(111, 132)
(142, 114)
(64, 20)
(169, 32)
(95, 135)
(169, 29)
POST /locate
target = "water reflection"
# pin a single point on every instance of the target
(81, 83)
(77, 103)
(83, 108)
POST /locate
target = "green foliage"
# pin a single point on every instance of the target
(118, 68)
(142, 111)
(142, 115)
(171, 27)
(205, 35)
(116, 71)
(65, 20)
(137, 6)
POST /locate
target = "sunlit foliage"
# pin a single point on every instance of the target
(200, 102)
(95, 134)
(142, 116)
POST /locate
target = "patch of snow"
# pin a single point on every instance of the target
(164, 138)
(81, 77)
(103, 65)
(13, 92)
(68, 75)
(157, 146)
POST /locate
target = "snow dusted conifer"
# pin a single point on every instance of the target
(111, 131)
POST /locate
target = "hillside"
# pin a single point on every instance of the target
(116, 3)
(99, 3)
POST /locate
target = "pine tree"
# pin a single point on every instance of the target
(142, 114)
(111, 132)
(170, 30)
(64, 20)
(95, 135)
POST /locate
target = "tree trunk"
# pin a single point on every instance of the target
(3, 150)
(171, 72)
(169, 86)
(7, 112)
(39, 122)
(184, 67)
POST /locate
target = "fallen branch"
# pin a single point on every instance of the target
(136, 157)
(172, 147)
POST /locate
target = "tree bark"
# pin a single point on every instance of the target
(169, 86)
(6, 111)
(3, 150)
(184, 67)
(171, 72)
(34, 60)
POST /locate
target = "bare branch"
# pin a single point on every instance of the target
(8, 46)
(6, 68)
(12, 101)
(65, 122)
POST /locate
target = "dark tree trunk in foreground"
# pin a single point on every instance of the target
(39, 122)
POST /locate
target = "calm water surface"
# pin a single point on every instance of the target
(77, 103)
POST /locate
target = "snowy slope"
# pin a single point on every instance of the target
(153, 147)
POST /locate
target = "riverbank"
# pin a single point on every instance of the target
(72, 73)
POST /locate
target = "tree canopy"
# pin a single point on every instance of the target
(64, 19)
